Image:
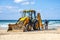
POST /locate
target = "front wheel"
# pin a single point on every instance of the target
(24, 29)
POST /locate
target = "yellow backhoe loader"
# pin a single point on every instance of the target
(29, 21)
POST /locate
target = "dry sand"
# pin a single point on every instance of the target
(32, 35)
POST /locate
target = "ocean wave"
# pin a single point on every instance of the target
(55, 25)
(5, 24)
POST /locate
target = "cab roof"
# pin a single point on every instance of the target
(27, 11)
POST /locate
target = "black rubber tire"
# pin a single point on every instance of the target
(28, 27)
(34, 27)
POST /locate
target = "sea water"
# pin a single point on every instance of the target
(51, 23)
(4, 23)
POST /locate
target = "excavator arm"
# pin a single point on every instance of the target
(40, 21)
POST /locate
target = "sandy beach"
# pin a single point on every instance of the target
(32, 35)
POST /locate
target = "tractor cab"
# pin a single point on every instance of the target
(29, 13)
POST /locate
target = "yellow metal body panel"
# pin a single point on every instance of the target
(22, 19)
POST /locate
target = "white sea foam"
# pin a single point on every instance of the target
(5, 24)
(53, 26)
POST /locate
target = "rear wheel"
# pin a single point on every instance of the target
(36, 25)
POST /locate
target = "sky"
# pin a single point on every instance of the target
(11, 9)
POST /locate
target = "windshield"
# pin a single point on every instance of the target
(26, 15)
(30, 15)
